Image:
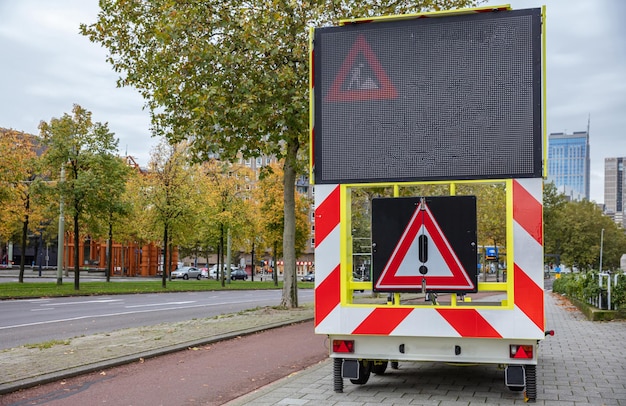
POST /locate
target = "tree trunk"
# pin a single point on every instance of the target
(110, 252)
(290, 287)
(165, 270)
(252, 260)
(24, 242)
(76, 264)
(220, 259)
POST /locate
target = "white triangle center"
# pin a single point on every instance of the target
(435, 264)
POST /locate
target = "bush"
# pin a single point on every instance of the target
(618, 293)
(590, 288)
(569, 285)
(584, 287)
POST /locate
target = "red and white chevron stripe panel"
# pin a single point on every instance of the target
(523, 320)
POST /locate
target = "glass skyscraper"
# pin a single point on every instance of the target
(569, 163)
(614, 190)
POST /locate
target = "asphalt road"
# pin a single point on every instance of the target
(208, 375)
(40, 320)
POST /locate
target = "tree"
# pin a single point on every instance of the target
(231, 77)
(554, 225)
(225, 194)
(575, 233)
(167, 193)
(19, 175)
(269, 193)
(111, 203)
(141, 230)
(582, 225)
(86, 150)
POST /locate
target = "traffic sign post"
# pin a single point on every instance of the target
(491, 253)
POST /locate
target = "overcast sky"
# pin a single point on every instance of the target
(47, 66)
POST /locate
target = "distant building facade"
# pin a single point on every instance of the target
(614, 189)
(569, 165)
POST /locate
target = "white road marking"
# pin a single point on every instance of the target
(122, 314)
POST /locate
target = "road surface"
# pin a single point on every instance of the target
(209, 375)
(31, 321)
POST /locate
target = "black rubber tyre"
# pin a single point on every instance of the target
(185, 276)
(379, 368)
(199, 277)
(364, 372)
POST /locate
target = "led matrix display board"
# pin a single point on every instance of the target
(443, 98)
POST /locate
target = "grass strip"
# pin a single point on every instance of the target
(16, 290)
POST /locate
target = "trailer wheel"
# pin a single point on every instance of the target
(379, 367)
(531, 383)
(337, 379)
(365, 368)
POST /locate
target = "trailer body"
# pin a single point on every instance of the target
(406, 104)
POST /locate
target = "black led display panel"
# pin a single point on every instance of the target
(440, 98)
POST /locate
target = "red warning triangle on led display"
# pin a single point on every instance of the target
(445, 270)
(353, 81)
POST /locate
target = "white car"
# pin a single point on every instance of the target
(212, 272)
(187, 272)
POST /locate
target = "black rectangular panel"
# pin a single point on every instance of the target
(441, 98)
(427, 242)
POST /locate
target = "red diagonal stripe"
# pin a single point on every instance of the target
(327, 296)
(469, 323)
(327, 216)
(527, 212)
(382, 321)
(529, 297)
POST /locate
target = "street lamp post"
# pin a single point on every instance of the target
(601, 248)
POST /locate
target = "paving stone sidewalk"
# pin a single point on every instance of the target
(583, 364)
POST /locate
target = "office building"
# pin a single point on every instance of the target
(614, 188)
(569, 163)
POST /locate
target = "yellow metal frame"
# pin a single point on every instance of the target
(348, 286)
(311, 106)
(544, 92)
(440, 13)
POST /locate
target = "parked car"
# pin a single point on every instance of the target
(238, 274)
(186, 272)
(212, 271)
(310, 277)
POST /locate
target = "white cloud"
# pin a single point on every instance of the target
(48, 66)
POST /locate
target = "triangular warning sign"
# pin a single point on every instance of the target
(424, 253)
(521, 353)
(361, 77)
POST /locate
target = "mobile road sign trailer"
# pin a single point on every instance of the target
(413, 111)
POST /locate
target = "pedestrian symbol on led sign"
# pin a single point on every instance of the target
(361, 77)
